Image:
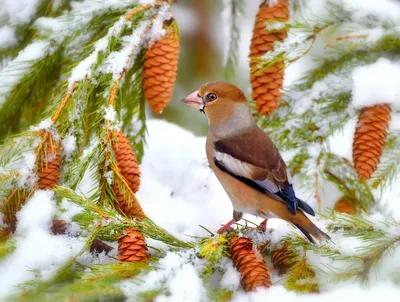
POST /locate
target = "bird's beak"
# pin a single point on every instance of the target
(194, 100)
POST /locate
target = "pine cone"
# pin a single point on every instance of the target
(99, 246)
(126, 161)
(267, 83)
(302, 277)
(128, 167)
(283, 258)
(160, 66)
(49, 166)
(127, 203)
(342, 205)
(369, 139)
(132, 247)
(249, 262)
(11, 206)
(59, 227)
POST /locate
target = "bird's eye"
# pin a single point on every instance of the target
(211, 97)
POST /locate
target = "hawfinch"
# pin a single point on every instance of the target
(246, 161)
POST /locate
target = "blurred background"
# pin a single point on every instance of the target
(205, 28)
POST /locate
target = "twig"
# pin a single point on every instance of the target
(344, 38)
(64, 102)
(313, 38)
(204, 228)
(351, 191)
(316, 191)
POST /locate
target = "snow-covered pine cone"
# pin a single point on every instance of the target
(283, 258)
(369, 139)
(250, 263)
(132, 246)
(49, 165)
(266, 84)
(160, 67)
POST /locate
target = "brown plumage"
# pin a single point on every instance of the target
(49, 164)
(132, 246)
(245, 160)
(250, 263)
(369, 139)
(267, 83)
(160, 67)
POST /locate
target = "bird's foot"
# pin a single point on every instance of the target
(226, 228)
(263, 226)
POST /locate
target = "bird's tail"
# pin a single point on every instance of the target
(279, 208)
(315, 233)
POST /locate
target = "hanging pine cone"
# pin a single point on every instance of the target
(250, 263)
(129, 175)
(59, 227)
(160, 66)
(49, 165)
(126, 202)
(126, 161)
(343, 205)
(283, 258)
(369, 139)
(132, 247)
(267, 83)
(11, 206)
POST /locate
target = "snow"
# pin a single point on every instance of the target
(157, 31)
(386, 292)
(231, 279)
(178, 189)
(69, 145)
(117, 61)
(43, 125)
(21, 11)
(377, 83)
(83, 69)
(7, 37)
(36, 247)
(383, 9)
(176, 165)
(110, 114)
(173, 270)
(26, 167)
(18, 67)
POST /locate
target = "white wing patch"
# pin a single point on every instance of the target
(243, 169)
(234, 165)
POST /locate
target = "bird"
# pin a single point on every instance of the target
(246, 161)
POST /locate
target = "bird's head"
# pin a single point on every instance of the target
(222, 102)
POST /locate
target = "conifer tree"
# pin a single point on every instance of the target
(75, 83)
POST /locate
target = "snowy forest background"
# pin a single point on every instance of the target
(71, 78)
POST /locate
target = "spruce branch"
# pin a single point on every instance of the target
(340, 172)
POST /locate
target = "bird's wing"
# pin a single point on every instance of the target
(253, 159)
